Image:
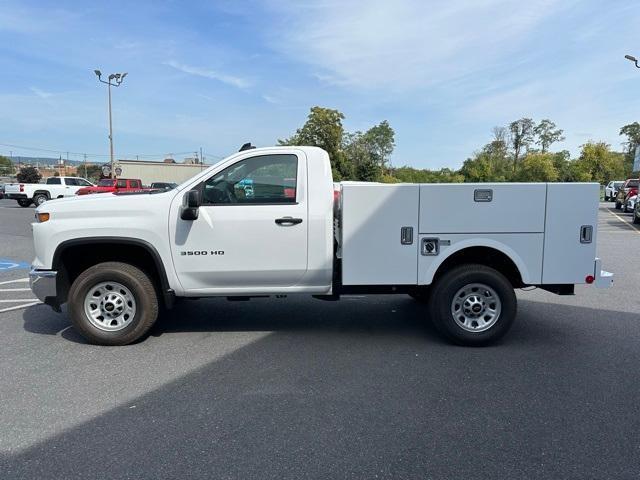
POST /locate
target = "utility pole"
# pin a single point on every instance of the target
(85, 165)
(201, 157)
(117, 79)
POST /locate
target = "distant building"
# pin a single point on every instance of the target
(165, 171)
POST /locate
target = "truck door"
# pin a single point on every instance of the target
(251, 230)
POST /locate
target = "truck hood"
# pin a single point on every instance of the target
(108, 205)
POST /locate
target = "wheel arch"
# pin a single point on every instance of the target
(41, 192)
(90, 251)
(490, 254)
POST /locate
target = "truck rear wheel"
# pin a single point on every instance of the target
(113, 303)
(473, 305)
(39, 199)
(24, 202)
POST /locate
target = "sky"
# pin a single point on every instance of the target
(217, 74)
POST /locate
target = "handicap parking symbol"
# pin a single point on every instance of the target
(9, 264)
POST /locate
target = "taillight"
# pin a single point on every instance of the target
(21, 188)
(589, 279)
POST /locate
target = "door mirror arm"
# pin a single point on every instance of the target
(190, 205)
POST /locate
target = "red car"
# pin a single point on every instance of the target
(107, 185)
(627, 190)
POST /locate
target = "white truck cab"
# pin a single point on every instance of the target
(271, 221)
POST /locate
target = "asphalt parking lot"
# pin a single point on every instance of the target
(300, 388)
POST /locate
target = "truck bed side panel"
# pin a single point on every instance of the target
(459, 208)
(570, 206)
(372, 218)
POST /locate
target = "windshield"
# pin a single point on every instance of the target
(632, 183)
(105, 182)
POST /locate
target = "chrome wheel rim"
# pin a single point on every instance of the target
(476, 307)
(110, 306)
(40, 200)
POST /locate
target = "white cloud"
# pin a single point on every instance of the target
(41, 93)
(405, 43)
(234, 81)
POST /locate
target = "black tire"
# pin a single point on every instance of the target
(24, 202)
(421, 294)
(606, 199)
(39, 199)
(636, 220)
(442, 299)
(139, 285)
(618, 205)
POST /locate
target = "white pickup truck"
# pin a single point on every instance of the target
(38, 193)
(271, 221)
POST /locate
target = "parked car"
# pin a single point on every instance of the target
(116, 260)
(629, 188)
(1, 191)
(636, 213)
(163, 186)
(107, 185)
(611, 190)
(38, 193)
(630, 204)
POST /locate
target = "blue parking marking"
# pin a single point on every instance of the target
(9, 264)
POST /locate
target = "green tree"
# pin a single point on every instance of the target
(362, 157)
(537, 167)
(599, 163)
(381, 142)
(521, 137)
(94, 172)
(6, 166)
(324, 129)
(547, 134)
(29, 175)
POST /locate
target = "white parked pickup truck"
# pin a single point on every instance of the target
(271, 221)
(38, 193)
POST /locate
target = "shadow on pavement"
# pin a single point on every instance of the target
(370, 393)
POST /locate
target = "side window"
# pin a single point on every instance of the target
(53, 181)
(121, 184)
(134, 183)
(71, 181)
(264, 179)
(82, 182)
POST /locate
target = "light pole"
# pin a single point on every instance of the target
(632, 59)
(117, 79)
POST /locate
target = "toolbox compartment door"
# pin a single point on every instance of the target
(375, 248)
(572, 212)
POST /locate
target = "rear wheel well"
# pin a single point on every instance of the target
(72, 259)
(487, 256)
(42, 192)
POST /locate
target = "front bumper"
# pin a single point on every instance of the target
(603, 279)
(43, 284)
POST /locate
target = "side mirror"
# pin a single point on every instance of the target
(190, 205)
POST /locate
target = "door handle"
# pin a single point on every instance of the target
(288, 221)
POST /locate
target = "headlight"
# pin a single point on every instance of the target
(42, 217)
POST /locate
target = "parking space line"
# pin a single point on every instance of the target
(630, 225)
(19, 280)
(19, 300)
(18, 307)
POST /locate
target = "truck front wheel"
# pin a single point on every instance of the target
(113, 303)
(473, 305)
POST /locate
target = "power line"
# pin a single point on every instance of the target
(82, 154)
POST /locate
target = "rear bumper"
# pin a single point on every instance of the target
(603, 279)
(16, 196)
(43, 284)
